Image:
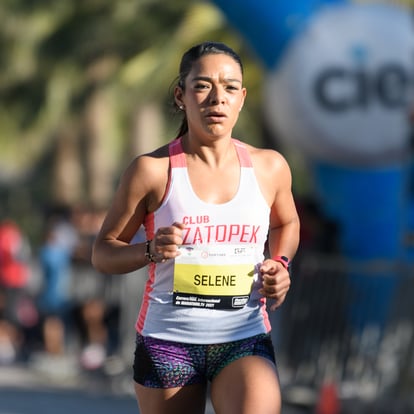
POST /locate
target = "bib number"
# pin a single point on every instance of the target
(213, 277)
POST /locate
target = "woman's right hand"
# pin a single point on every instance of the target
(164, 245)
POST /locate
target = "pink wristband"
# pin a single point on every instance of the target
(283, 260)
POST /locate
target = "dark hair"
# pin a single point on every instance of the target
(191, 56)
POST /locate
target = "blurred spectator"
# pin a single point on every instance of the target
(17, 312)
(54, 299)
(97, 310)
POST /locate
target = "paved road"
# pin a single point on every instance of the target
(45, 401)
(51, 401)
(26, 391)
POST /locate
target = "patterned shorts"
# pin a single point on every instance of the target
(167, 364)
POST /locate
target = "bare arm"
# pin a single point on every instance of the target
(140, 191)
(276, 181)
(112, 252)
(284, 220)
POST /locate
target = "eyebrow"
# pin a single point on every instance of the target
(207, 79)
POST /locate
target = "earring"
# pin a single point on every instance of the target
(181, 107)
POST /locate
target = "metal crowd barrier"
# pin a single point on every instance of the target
(348, 323)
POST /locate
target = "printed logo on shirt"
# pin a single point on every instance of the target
(221, 233)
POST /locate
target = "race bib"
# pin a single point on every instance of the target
(214, 277)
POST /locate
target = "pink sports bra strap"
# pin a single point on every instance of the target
(243, 154)
(177, 156)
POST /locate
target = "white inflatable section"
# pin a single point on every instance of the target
(343, 89)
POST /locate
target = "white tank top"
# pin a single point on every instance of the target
(209, 294)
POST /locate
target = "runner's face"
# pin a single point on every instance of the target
(214, 95)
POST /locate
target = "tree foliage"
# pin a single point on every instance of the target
(75, 74)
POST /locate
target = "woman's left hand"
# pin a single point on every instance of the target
(276, 282)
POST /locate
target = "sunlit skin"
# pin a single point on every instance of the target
(212, 97)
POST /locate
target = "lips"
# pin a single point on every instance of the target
(216, 116)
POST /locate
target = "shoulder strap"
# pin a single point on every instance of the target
(243, 154)
(177, 157)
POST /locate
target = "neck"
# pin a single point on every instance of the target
(212, 152)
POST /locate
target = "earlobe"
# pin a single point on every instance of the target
(178, 94)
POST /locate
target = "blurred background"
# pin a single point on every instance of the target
(86, 85)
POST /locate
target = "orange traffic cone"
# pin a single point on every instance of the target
(328, 402)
